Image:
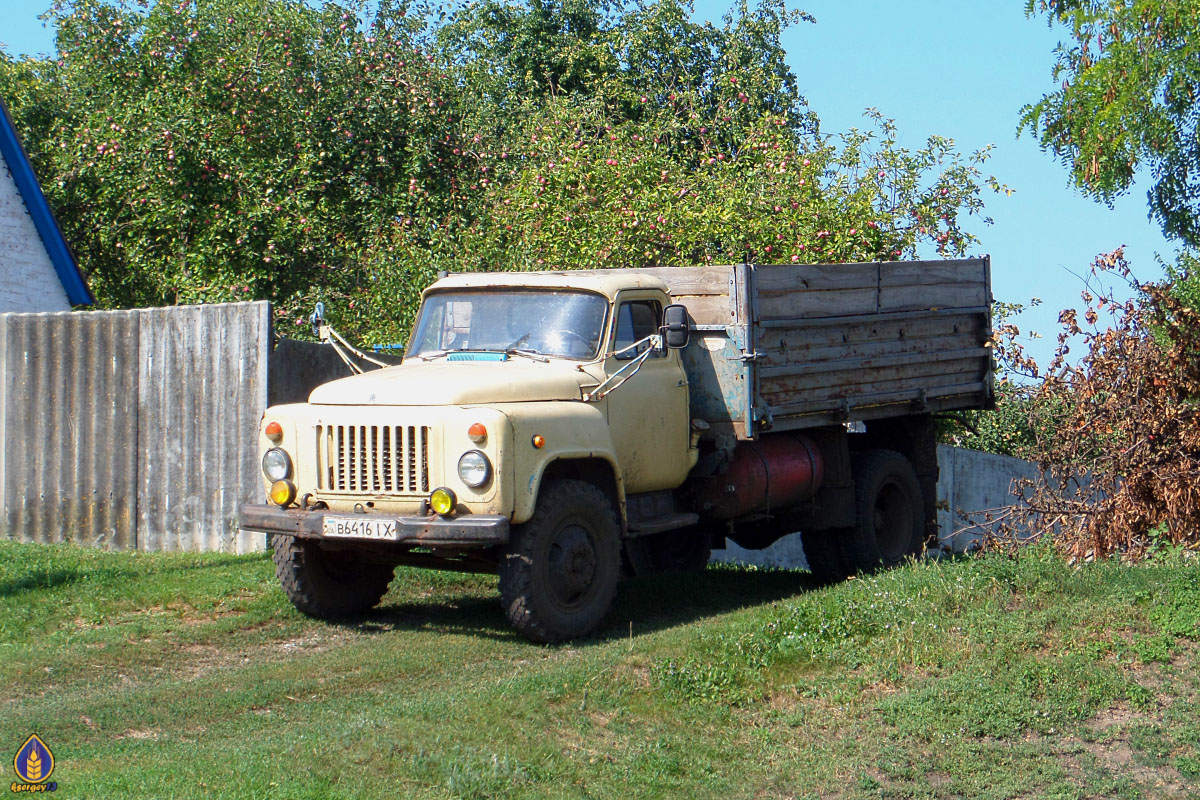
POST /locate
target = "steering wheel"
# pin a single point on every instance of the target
(568, 334)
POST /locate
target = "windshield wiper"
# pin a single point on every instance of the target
(533, 355)
(432, 354)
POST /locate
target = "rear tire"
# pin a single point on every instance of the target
(823, 555)
(559, 572)
(327, 584)
(889, 513)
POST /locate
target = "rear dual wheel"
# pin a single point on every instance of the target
(889, 521)
(889, 525)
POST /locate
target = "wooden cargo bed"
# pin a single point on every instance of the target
(778, 347)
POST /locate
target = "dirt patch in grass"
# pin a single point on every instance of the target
(592, 745)
(1116, 757)
(1164, 679)
(1117, 717)
(1108, 744)
(203, 659)
(138, 733)
(633, 671)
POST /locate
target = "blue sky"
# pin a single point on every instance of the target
(948, 67)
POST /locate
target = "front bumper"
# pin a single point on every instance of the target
(467, 531)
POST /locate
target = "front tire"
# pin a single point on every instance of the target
(327, 584)
(559, 572)
(889, 513)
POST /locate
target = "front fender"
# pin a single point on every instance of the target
(570, 431)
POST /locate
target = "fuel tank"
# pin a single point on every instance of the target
(777, 471)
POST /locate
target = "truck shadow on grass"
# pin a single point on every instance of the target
(650, 604)
(671, 599)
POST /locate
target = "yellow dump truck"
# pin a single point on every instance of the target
(566, 428)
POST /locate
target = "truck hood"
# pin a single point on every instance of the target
(418, 383)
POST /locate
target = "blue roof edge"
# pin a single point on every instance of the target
(19, 165)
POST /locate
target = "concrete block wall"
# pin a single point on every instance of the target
(972, 486)
(28, 281)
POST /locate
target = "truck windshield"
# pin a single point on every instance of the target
(561, 324)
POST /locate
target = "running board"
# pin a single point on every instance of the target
(670, 522)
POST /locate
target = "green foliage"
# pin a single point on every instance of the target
(678, 189)
(1184, 276)
(630, 56)
(1128, 100)
(1021, 424)
(276, 149)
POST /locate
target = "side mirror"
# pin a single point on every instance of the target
(317, 319)
(676, 328)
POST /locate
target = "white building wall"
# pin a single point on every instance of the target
(28, 281)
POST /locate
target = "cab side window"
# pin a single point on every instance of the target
(637, 319)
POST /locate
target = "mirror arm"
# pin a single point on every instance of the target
(329, 336)
(611, 384)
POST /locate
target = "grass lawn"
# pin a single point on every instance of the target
(170, 675)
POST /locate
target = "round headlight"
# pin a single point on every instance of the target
(474, 468)
(276, 464)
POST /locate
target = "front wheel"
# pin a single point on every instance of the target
(325, 583)
(559, 572)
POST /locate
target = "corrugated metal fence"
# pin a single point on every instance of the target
(133, 429)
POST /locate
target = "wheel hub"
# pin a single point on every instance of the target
(892, 520)
(572, 564)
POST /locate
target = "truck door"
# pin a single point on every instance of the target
(647, 414)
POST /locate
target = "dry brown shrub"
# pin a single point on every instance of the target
(1117, 433)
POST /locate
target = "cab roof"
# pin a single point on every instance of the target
(605, 281)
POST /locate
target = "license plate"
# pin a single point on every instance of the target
(361, 528)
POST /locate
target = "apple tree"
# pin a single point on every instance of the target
(208, 151)
(284, 150)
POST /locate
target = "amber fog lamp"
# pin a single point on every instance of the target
(538, 441)
(273, 431)
(477, 433)
(443, 501)
(283, 493)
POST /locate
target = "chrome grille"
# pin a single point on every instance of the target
(373, 459)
